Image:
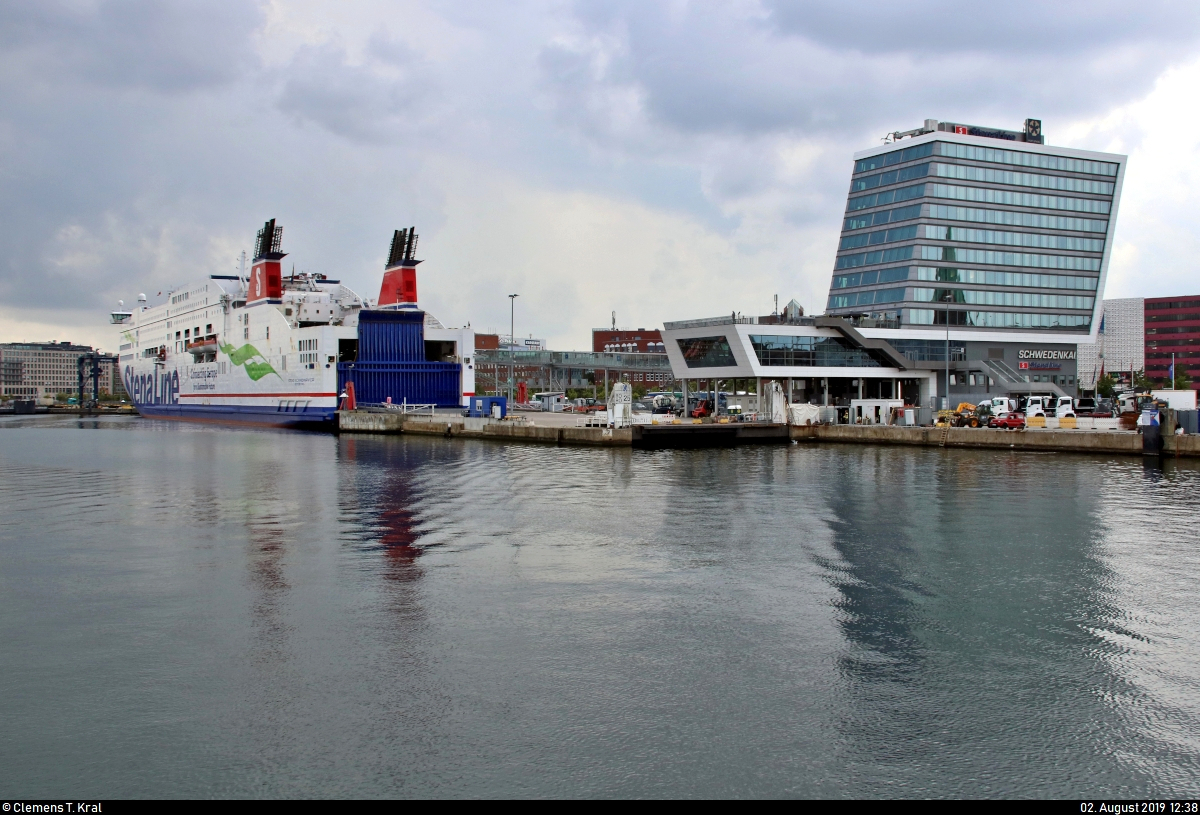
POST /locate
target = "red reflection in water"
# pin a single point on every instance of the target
(399, 533)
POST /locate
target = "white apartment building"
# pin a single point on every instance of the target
(1120, 344)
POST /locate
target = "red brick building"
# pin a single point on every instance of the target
(1172, 326)
(640, 341)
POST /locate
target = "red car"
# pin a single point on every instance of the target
(1009, 421)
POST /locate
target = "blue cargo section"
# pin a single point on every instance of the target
(391, 363)
(391, 336)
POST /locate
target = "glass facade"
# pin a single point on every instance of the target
(894, 157)
(900, 233)
(821, 352)
(985, 278)
(1031, 225)
(997, 319)
(882, 199)
(1010, 218)
(866, 298)
(844, 281)
(1047, 182)
(929, 350)
(1068, 243)
(868, 182)
(1010, 258)
(884, 216)
(1017, 199)
(1039, 160)
(1023, 299)
(707, 352)
(871, 258)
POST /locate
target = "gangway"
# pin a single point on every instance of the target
(882, 347)
(1013, 382)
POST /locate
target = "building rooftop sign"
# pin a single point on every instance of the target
(1031, 134)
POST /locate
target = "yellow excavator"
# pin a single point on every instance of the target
(964, 415)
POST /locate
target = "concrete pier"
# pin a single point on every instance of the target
(1060, 441)
(481, 428)
(1122, 443)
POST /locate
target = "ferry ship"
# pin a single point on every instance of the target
(273, 349)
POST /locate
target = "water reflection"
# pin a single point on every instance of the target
(431, 617)
(380, 495)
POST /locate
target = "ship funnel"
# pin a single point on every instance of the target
(266, 276)
(400, 273)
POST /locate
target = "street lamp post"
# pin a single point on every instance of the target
(512, 342)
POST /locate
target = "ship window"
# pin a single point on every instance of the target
(186, 333)
(208, 328)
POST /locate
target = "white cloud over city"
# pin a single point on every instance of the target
(663, 160)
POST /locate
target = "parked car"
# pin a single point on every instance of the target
(1013, 420)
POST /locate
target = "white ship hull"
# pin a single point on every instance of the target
(205, 355)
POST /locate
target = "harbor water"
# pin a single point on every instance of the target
(200, 611)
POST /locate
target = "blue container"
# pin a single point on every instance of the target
(481, 406)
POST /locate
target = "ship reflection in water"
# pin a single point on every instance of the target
(197, 611)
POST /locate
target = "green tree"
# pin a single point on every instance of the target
(1142, 382)
(1106, 386)
(1182, 380)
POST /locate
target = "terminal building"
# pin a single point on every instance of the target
(971, 261)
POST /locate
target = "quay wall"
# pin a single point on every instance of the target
(481, 428)
(1062, 441)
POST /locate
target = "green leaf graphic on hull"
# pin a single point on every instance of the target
(244, 356)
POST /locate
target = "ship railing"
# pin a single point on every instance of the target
(404, 407)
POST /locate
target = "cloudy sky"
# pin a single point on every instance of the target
(663, 160)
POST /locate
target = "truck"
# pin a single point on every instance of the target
(1039, 406)
(1184, 399)
(999, 405)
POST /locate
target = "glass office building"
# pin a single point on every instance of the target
(988, 231)
(971, 263)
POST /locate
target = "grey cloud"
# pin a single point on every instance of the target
(141, 144)
(379, 101)
(1010, 31)
(163, 46)
(824, 66)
